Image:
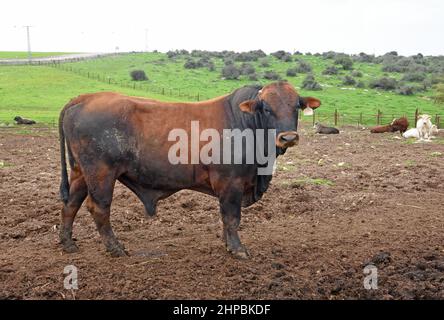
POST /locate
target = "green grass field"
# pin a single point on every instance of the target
(24, 55)
(38, 92)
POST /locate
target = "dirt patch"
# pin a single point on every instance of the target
(336, 204)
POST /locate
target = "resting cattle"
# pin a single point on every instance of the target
(381, 129)
(319, 128)
(424, 126)
(20, 120)
(400, 125)
(411, 133)
(112, 137)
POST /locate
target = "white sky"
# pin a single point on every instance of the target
(372, 26)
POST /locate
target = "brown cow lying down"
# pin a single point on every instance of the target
(381, 129)
(325, 130)
(20, 120)
(400, 125)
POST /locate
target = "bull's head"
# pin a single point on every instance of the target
(280, 104)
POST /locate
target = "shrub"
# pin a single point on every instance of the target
(264, 63)
(345, 61)
(356, 73)
(291, 72)
(303, 67)
(310, 83)
(329, 55)
(414, 77)
(406, 90)
(271, 75)
(360, 84)
(247, 68)
(332, 70)
(231, 72)
(363, 57)
(228, 61)
(384, 83)
(279, 54)
(191, 64)
(253, 77)
(348, 81)
(138, 75)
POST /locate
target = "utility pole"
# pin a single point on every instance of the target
(29, 42)
(146, 39)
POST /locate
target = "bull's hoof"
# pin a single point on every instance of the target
(117, 251)
(239, 253)
(70, 247)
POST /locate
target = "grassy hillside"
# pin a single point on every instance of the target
(40, 91)
(170, 74)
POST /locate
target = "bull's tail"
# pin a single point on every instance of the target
(64, 185)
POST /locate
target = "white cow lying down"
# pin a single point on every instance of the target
(411, 133)
(415, 132)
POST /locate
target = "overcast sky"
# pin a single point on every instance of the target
(352, 26)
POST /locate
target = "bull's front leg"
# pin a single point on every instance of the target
(230, 207)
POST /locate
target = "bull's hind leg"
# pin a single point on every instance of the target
(100, 193)
(77, 194)
(230, 207)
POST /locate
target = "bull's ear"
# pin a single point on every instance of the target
(311, 102)
(249, 106)
(308, 104)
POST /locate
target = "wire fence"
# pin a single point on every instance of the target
(135, 85)
(365, 119)
(336, 118)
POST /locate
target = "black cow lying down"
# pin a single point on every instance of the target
(20, 120)
(110, 137)
(325, 130)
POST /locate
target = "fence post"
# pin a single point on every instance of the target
(336, 117)
(198, 97)
(378, 118)
(416, 116)
(437, 121)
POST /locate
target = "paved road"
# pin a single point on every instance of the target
(61, 58)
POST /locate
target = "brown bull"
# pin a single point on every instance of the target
(112, 137)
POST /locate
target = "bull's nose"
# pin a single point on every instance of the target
(289, 137)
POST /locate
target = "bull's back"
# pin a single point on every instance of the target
(130, 136)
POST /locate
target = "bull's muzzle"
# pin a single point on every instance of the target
(287, 139)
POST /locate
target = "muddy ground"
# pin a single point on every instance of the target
(336, 204)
